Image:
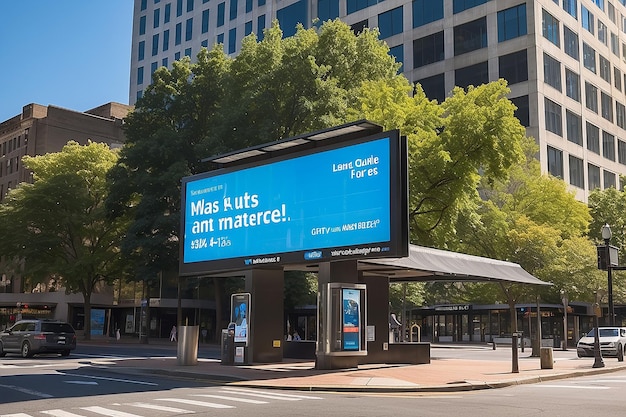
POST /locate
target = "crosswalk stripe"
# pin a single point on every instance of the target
(15, 415)
(109, 412)
(273, 397)
(60, 413)
(276, 395)
(161, 408)
(223, 397)
(194, 402)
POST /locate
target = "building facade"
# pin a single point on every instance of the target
(564, 60)
(38, 130)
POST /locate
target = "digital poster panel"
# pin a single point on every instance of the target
(344, 202)
(351, 323)
(240, 308)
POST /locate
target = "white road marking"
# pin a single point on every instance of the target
(223, 397)
(15, 415)
(60, 413)
(129, 381)
(82, 382)
(161, 408)
(27, 391)
(275, 395)
(109, 412)
(194, 402)
(572, 386)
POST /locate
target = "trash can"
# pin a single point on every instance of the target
(546, 358)
(228, 345)
(188, 345)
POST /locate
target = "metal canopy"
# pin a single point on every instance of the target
(427, 264)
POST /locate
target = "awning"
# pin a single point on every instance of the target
(427, 264)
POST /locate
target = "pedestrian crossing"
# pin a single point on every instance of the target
(221, 398)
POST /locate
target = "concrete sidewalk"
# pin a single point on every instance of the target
(441, 375)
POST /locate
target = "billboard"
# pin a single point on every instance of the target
(344, 201)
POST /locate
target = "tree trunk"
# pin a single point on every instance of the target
(87, 310)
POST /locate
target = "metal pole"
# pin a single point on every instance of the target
(611, 305)
(564, 320)
(598, 362)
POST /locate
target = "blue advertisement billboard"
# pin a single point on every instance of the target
(351, 313)
(332, 204)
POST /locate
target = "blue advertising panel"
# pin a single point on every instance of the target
(351, 323)
(240, 308)
(329, 205)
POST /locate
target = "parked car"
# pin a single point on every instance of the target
(612, 343)
(28, 337)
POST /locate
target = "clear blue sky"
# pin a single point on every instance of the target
(68, 53)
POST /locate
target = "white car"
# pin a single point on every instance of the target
(612, 343)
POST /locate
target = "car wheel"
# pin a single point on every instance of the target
(26, 352)
(620, 353)
(65, 353)
(2, 352)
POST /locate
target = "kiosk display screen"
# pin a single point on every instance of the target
(240, 304)
(351, 329)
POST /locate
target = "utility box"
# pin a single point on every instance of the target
(546, 358)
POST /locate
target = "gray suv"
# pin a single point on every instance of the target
(28, 337)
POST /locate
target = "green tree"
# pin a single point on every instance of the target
(58, 225)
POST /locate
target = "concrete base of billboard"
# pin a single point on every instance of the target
(417, 353)
(325, 362)
(303, 349)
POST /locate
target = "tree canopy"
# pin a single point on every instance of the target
(56, 230)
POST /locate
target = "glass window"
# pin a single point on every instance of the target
(426, 11)
(591, 97)
(327, 10)
(167, 13)
(261, 3)
(607, 106)
(233, 10)
(221, 11)
(164, 62)
(470, 36)
(190, 6)
(476, 74)
(179, 8)
(576, 172)
(290, 16)
(593, 138)
(620, 115)
(356, 5)
(608, 146)
(587, 19)
(550, 28)
(166, 40)
(571, 7)
(599, 3)
(572, 84)
(232, 40)
(260, 26)
(153, 68)
(176, 56)
(398, 53)
(249, 6)
(621, 152)
(428, 49)
(358, 27)
(570, 42)
(602, 32)
(460, 5)
(179, 34)
(554, 118)
(512, 23)
(434, 87)
(514, 67)
(156, 17)
(617, 78)
(155, 44)
(205, 21)
(188, 52)
(523, 110)
(140, 75)
(142, 25)
(220, 39)
(551, 71)
(615, 44)
(141, 50)
(609, 181)
(555, 162)
(390, 23)
(593, 176)
(247, 29)
(144, 4)
(605, 69)
(574, 127)
(189, 29)
(589, 57)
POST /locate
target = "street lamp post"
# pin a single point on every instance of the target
(606, 235)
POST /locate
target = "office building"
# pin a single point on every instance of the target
(564, 60)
